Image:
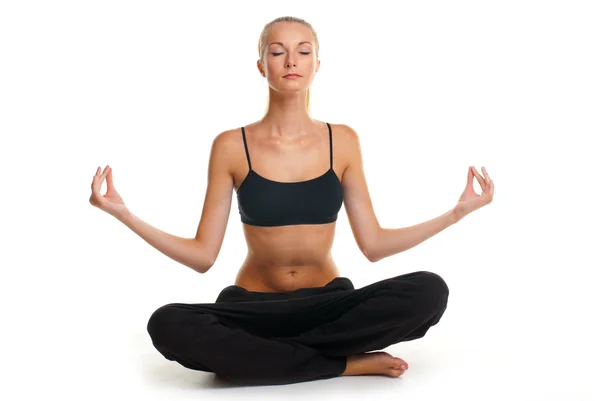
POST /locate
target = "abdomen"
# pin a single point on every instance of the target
(282, 259)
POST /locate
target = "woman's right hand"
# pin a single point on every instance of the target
(111, 202)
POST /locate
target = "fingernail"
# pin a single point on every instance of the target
(403, 367)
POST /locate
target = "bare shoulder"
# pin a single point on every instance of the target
(226, 144)
(345, 137)
(228, 139)
(346, 144)
(345, 131)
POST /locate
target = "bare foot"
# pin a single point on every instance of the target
(374, 363)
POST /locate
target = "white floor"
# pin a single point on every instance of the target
(457, 359)
(442, 366)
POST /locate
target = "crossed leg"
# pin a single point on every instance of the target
(309, 337)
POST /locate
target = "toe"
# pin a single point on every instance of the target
(400, 362)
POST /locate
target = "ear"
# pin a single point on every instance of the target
(260, 69)
(318, 65)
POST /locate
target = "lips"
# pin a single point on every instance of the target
(291, 75)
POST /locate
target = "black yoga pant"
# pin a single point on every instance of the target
(250, 337)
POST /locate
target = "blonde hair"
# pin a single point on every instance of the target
(262, 46)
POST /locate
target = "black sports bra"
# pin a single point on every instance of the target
(264, 202)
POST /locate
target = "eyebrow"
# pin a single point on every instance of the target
(279, 43)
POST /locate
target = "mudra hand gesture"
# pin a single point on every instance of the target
(470, 201)
(111, 202)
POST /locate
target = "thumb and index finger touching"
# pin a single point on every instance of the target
(98, 179)
(474, 173)
(486, 184)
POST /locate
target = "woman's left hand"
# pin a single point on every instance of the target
(470, 201)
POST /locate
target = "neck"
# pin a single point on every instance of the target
(287, 116)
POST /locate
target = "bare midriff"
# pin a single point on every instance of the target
(287, 258)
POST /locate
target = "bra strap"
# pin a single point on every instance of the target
(246, 147)
(330, 147)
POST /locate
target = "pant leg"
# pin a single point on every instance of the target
(401, 308)
(278, 338)
(231, 336)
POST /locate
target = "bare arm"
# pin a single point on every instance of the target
(186, 251)
(375, 242)
(199, 253)
(391, 241)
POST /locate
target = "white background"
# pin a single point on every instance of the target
(431, 87)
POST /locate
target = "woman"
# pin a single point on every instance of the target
(289, 317)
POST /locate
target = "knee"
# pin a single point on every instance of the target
(433, 288)
(162, 324)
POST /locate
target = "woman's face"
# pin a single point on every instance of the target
(289, 49)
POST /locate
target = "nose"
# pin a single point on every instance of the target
(290, 61)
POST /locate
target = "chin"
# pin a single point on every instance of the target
(291, 89)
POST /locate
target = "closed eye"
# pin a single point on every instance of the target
(277, 54)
